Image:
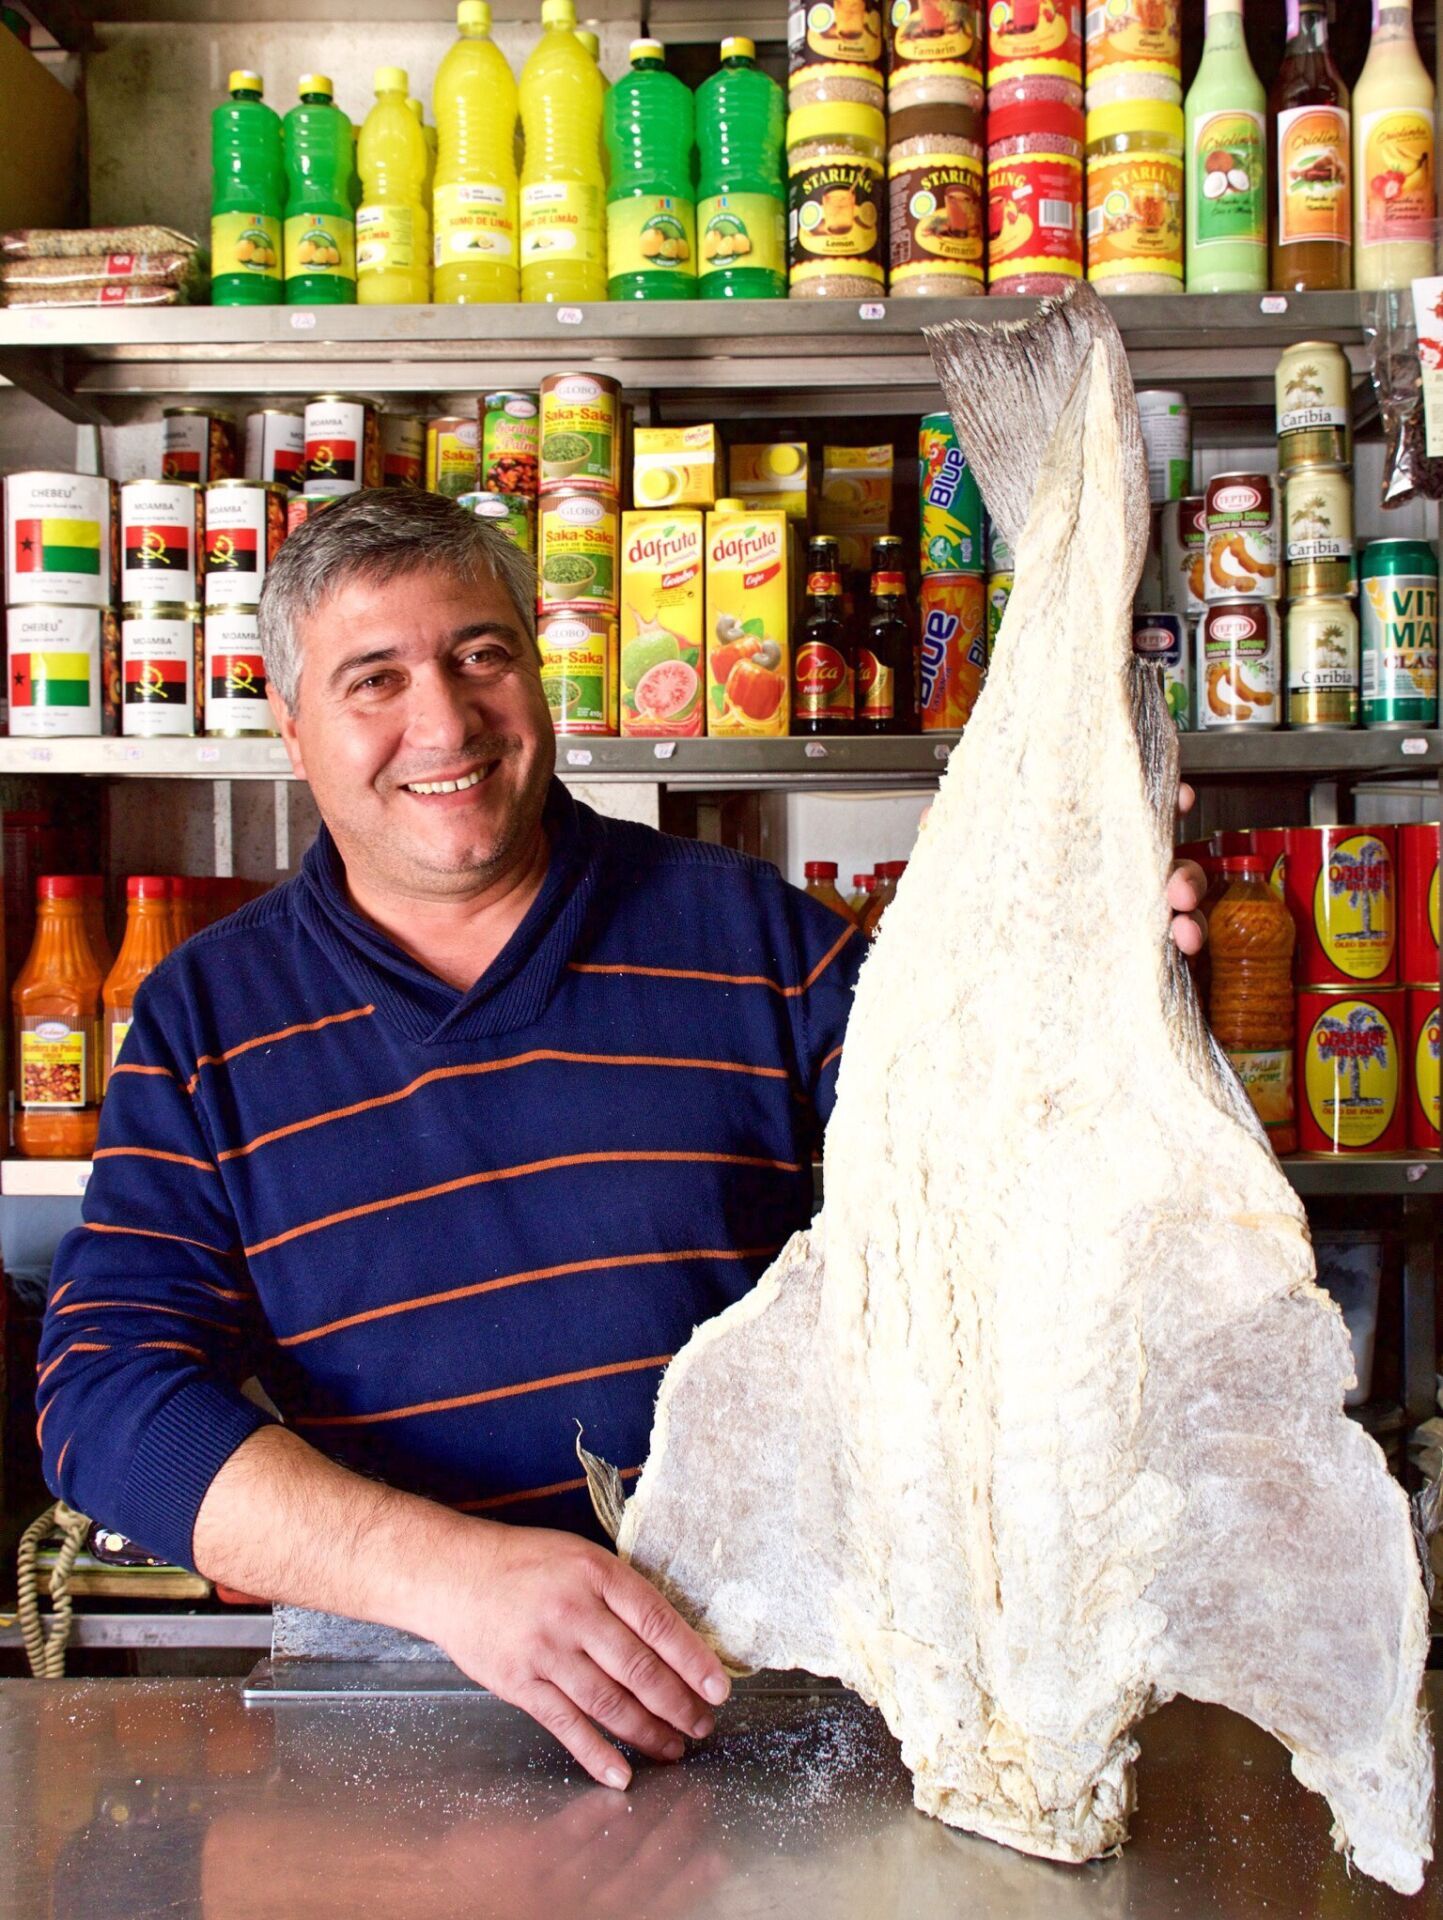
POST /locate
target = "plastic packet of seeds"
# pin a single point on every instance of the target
(1392, 336)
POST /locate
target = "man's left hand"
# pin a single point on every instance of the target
(1186, 886)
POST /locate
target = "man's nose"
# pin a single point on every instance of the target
(444, 711)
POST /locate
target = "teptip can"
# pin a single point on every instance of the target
(1238, 666)
(343, 444)
(1161, 640)
(158, 645)
(952, 533)
(1398, 604)
(162, 525)
(275, 447)
(245, 523)
(1350, 1058)
(1182, 536)
(61, 540)
(1244, 546)
(197, 445)
(1314, 406)
(1318, 530)
(1322, 656)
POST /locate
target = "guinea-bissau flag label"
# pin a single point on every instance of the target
(159, 547)
(50, 679)
(330, 459)
(155, 682)
(230, 550)
(237, 676)
(54, 545)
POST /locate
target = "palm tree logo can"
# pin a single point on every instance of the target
(1351, 1053)
(1341, 884)
(1424, 1079)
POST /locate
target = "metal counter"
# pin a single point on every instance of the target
(133, 1800)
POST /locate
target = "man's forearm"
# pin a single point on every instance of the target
(283, 1522)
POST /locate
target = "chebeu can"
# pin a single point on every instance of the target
(275, 447)
(61, 540)
(197, 445)
(157, 662)
(1318, 530)
(234, 675)
(343, 444)
(580, 434)
(952, 531)
(1322, 655)
(55, 667)
(245, 523)
(953, 617)
(403, 450)
(1351, 1056)
(579, 669)
(1238, 666)
(1342, 888)
(162, 525)
(1418, 901)
(1314, 405)
(1182, 537)
(453, 455)
(1398, 608)
(1161, 639)
(1423, 1073)
(1243, 538)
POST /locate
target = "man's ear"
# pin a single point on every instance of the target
(286, 728)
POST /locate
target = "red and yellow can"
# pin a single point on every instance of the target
(1351, 1073)
(1418, 901)
(1271, 843)
(1423, 1076)
(954, 648)
(1340, 883)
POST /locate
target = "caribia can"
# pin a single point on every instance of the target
(1161, 639)
(1350, 1051)
(954, 648)
(1399, 607)
(1341, 888)
(951, 501)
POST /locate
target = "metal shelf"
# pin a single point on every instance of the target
(207, 1631)
(44, 1179)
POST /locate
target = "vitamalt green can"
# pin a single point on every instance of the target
(1398, 608)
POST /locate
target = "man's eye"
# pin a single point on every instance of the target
(372, 683)
(486, 657)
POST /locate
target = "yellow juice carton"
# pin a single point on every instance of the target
(748, 607)
(662, 624)
(855, 501)
(770, 475)
(674, 466)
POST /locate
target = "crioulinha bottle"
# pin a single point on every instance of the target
(474, 204)
(563, 245)
(1227, 165)
(650, 212)
(1393, 159)
(320, 207)
(248, 196)
(741, 212)
(393, 267)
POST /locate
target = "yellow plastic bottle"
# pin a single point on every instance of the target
(392, 268)
(474, 203)
(591, 40)
(428, 187)
(563, 191)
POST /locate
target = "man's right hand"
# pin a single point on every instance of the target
(578, 1640)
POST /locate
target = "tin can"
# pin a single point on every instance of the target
(1341, 886)
(157, 662)
(302, 507)
(508, 511)
(580, 433)
(579, 669)
(1314, 406)
(162, 526)
(1182, 537)
(275, 447)
(1271, 843)
(343, 444)
(61, 540)
(197, 445)
(403, 450)
(952, 536)
(55, 669)
(953, 650)
(245, 523)
(1161, 638)
(1243, 543)
(1399, 609)
(1322, 649)
(1318, 530)
(452, 455)
(1167, 438)
(1423, 1074)
(999, 592)
(1238, 666)
(1418, 901)
(234, 676)
(576, 542)
(999, 553)
(1350, 1055)
(511, 444)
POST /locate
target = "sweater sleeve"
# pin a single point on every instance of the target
(829, 956)
(151, 1323)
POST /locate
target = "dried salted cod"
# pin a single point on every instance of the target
(1042, 1422)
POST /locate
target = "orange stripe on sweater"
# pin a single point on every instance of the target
(76, 1346)
(829, 1058)
(267, 1039)
(534, 1493)
(513, 1173)
(63, 1451)
(129, 1066)
(173, 1346)
(468, 1070)
(63, 1288)
(721, 979)
(149, 1306)
(605, 1264)
(480, 1399)
(152, 1153)
(153, 1233)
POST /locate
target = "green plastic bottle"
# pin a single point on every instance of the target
(1227, 162)
(248, 192)
(320, 199)
(650, 212)
(741, 207)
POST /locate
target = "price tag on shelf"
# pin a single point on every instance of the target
(1274, 303)
(578, 756)
(207, 755)
(130, 753)
(82, 1177)
(303, 322)
(1418, 1170)
(1413, 744)
(569, 316)
(278, 754)
(872, 310)
(942, 752)
(814, 750)
(664, 749)
(39, 755)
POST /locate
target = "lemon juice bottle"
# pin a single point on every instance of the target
(473, 214)
(248, 194)
(428, 189)
(320, 236)
(392, 269)
(650, 211)
(563, 193)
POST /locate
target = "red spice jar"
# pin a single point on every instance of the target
(1034, 198)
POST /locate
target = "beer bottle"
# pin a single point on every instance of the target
(884, 654)
(822, 663)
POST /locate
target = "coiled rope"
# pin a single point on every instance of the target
(45, 1646)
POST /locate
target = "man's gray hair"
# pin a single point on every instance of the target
(379, 535)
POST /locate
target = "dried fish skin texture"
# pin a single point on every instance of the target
(1041, 1423)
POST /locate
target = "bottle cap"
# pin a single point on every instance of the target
(893, 869)
(646, 50)
(1254, 865)
(474, 15)
(821, 869)
(415, 105)
(243, 81)
(784, 458)
(59, 886)
(730, 506)
(392, 80)
(558, 13)
(316, 83)
(590, 40)
(836, 121)
(92, 886)
(1158, 117)
(147, 886)
(738, 47)
(1042, 116)
(864, 881)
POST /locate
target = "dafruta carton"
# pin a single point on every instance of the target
(748, 606)
(661, 625)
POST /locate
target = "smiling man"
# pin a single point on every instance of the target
(451, 1142)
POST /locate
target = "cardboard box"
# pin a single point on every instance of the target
(41, 181)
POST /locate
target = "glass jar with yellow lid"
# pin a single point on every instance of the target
(1135, 197)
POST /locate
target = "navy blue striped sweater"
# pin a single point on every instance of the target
(440, 1228)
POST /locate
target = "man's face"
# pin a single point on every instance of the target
(425, 680)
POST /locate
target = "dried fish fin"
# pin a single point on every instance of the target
(603, 1483)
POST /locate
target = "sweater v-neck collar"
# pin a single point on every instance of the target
(513, 991)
